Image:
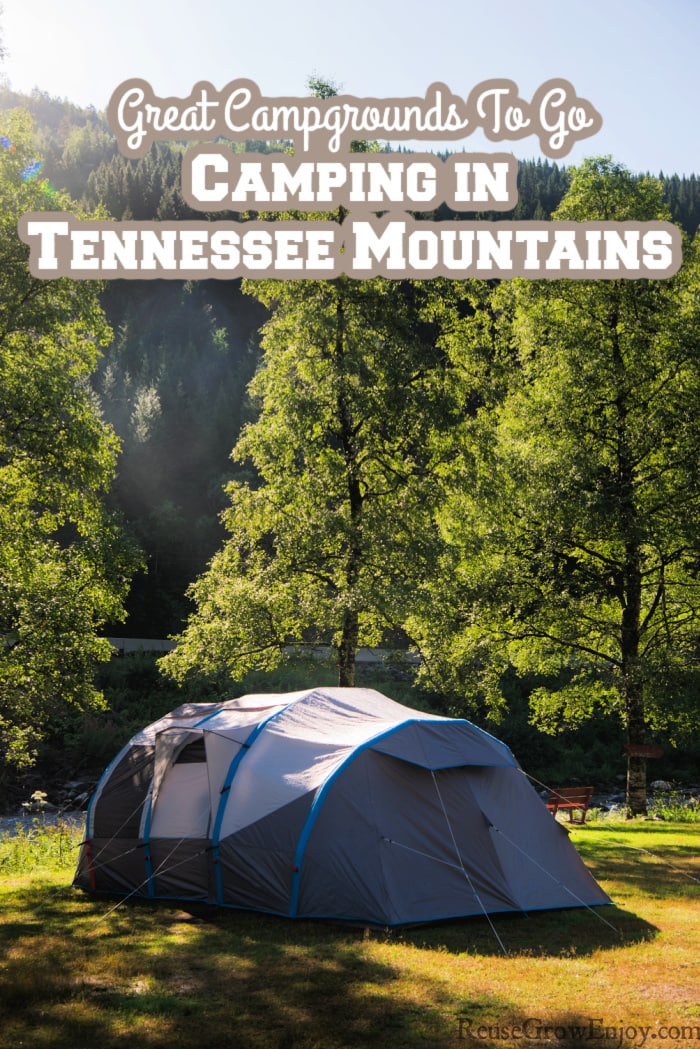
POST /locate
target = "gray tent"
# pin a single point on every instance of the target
(330, 803)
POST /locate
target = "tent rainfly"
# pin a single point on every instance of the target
(330, 803)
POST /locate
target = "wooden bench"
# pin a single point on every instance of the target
(571, 799)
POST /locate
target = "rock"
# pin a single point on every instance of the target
(75, 795)
(76, 785)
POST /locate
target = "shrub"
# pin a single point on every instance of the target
(42, 845)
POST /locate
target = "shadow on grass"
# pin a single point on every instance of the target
(74, 976)
(619, 860)
(577, 932)
(154, 976)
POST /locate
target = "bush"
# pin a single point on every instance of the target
(42, 845)
(676, 807)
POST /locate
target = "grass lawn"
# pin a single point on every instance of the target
(74, 975)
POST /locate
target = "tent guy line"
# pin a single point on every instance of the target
(463, 869)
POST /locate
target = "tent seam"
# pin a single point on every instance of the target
(318, 802)
(226, 793)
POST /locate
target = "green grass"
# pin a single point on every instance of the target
(75, 974)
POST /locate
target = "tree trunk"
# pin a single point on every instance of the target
(347, 650)
(636, 787)
(634, 696)
(636, 766)
(634, 699)
(350, 635)
(631, 597)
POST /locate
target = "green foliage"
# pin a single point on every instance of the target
(135, 694)
(319, 87)
(356, 406)
(40, 846)
(683, 197)
(676, 808)
(64, 567)
(153, 344)
(143, 189)
(573, 542)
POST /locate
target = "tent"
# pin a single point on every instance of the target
(329, 803)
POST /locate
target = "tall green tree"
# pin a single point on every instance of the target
(64, 566)
(573, 547)
(328, 537)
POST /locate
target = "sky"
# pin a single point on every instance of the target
(635, 61)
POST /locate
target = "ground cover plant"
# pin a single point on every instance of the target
(78, 972)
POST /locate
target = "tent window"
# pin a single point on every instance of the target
(192, 753)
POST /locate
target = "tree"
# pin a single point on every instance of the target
(328, 535)
(64, 566)
(572, 544)
(331, 532)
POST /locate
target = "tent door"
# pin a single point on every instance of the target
(180, 806)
